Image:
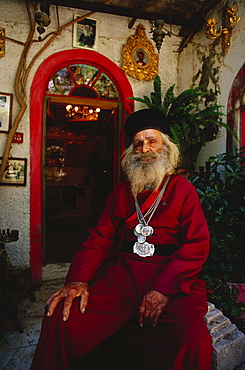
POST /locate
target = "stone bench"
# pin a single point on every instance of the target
(228, 341)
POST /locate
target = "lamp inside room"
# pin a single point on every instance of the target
(82, 113)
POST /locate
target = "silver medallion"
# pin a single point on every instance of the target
(141, 238)
(147, 230)
(144, 249)
(137, 229)
(135, 233)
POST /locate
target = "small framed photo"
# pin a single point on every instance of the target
(14, 172)
(85, 33)
(6, 101)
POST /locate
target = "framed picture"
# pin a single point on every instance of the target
(6, 101)
(85, 33)
(139, 59)
(15, 172)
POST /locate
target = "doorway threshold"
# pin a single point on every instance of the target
(54, 271)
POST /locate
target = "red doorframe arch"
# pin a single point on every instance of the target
(43, 74)
(243, 126)
(236, 93)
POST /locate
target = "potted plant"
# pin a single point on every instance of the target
(221, 186)
(192, 121)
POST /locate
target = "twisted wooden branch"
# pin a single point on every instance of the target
(20, 92)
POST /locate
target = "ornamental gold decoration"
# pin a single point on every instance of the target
(139, 59)
(2, 42)
(229, 20)
(211, 31)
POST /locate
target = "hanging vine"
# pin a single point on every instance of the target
(208, 75)
(23, 70)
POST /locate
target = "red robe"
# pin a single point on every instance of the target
(117, 285)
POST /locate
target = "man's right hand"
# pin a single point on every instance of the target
(68, 293)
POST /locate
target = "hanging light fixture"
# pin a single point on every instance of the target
(158, 33)
(82, 113)
(42, 18)
(157, 29)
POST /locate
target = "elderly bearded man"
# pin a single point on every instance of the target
(143, 308)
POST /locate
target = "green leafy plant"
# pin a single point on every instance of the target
(191, 120)
(221, 186)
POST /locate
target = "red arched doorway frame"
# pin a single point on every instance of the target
(43, 74)
(236, 93)
(243, 126)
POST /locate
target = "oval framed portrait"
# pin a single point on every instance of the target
(141, 57)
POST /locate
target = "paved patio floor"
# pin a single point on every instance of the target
(17, 352)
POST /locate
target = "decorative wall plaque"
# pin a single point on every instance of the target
(2, 43)
(18, 138)
(139, 59)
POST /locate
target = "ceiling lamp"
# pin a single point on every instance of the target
(158, 33)
(82, 113)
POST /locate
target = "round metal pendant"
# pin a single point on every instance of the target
(144, 249)
(135, 233)
(138, 228)
(141, 238)
(146, 230)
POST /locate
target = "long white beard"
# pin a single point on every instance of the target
(143, 174)
(87, 33)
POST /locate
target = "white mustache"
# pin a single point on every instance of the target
(139, 158)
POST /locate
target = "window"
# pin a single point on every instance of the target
(82, 80)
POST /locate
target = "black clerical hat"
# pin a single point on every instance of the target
(145, 119)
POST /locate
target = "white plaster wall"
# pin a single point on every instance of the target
(14, 200)
(234, 59)
(113, 33)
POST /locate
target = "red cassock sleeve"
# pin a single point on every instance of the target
(186, 262)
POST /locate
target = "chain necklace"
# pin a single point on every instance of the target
(143, 229)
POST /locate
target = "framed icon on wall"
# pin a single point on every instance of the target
(139, 59)
(6, 101)
(85, 33)
(14, 172)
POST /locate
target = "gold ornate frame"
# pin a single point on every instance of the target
(2, 42)
(145, 67)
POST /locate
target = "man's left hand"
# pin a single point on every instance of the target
(152, 305)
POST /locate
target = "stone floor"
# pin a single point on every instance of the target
(17, 351)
